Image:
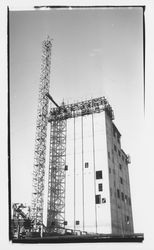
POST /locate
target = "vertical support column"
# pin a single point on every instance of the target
(56, 182)
(41, 134)
(93, 137)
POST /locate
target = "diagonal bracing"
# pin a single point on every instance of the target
(41, 134)
(56, 184)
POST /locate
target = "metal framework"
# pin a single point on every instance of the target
(88, 107)
(58, 118)
(56, 183)
(41, 134)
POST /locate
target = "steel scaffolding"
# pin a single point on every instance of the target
(56, 183)
(87, 107)
(41, 134)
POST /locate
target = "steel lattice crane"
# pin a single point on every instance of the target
(40, 154)
(41, 134)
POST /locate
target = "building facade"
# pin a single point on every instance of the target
(97, 188)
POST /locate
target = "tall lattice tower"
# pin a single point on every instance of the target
(41, 134)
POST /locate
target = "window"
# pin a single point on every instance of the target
(110, 170)
(98, 199)
(77, 222)
(125, 198)
(98, 174)
(119, 152)
(103, 200)
(122, 157)
(115, 148)
(66, 167)
(127, 219)
(86, 164)
(118, 193)
(120, 166)
(109, 155)
(100, 187)
(129, 201)
(65, 222)
(121, 180)
(122, 196)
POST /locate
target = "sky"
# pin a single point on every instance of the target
(96, 52)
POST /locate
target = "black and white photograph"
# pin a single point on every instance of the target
(76, 121)
(76, 88)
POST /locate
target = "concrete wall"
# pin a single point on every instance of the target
(121, 210)
(81, 182)
(91, 141)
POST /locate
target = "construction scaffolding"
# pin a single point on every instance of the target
(56, 184)
(41, 134)
(87, 107)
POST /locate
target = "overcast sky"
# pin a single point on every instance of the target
(96, 52)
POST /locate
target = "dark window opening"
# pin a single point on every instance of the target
(119, 152)
(77, 222)
(127, 219)
(100, 187)
(120, 166)
(98, 199)
(122, 195)
(118, 193)
(122, 157)
(125, 198)
(98, 174)
(66, 167)
(103, 200)
(86, 164)
(65, 222)
(129, 201)
(109, 155)
(121, 180)
(115, 148)
(53, 223)
(110, 170)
